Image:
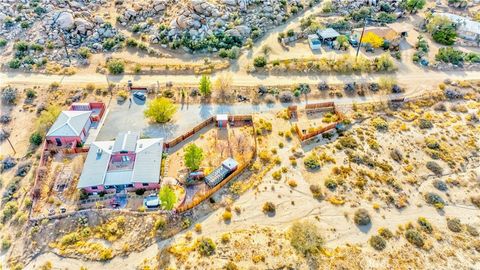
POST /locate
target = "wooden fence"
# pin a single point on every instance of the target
(188, 134)
(317, 107)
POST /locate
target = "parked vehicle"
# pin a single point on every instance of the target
(353, 42)
(151, 201)
(140, 95)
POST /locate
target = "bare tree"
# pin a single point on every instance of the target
(223, 85)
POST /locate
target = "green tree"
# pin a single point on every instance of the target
(193, 157)
(36, 138)
(160, 110)
(116, 66)
(414, 5)
(167, 197)
(442, 29)
(205, 87)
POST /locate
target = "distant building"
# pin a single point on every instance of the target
(466, 27)
(127, 163)
(71, 127)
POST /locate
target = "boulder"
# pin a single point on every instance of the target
(65, 20)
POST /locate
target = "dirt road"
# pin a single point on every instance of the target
(409, 78)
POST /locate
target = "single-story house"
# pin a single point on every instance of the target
(126, 163)
(466, 27)
(71, 127)
(314, 42)
(328, 34)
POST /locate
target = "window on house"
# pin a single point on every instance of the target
(145, 184)
(94, 188)
(129, 185)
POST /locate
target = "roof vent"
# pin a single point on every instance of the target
(140, 145)
(99, 152)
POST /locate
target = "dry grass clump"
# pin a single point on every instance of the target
(206, 246)
(454, 225)
(385, 233)
(305, 237)
(425, 224)
(316, 191)
(268, 207)
(292, 183)
(414, 237)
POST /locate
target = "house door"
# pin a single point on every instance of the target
(58, 141)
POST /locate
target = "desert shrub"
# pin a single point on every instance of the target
(380, 124)
(84, 52)
(286, 96)
(385, 233)
(206, 246)
(434, 167)
(116, 66)
(425, 124)
(260, 61)
(9, 94)
(348, 142)
(434, 199)
(6, 243)
(5, 119)
(230, 266)
(4, 134)
(454, 224)
(440, 185)
(277, 175)
(425, 224)
(198, 227)
(316, 191)
(23, 168)
(227, 216)
(330, 183)
(305, 237)
(311, 162)
(384, 63)
(377, 242)
(450, 55)
(160, 223)
(414, 237)
(268, 207)
(292, 183)
(475, 200)
(361, 217)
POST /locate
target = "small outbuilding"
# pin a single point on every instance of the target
(222, 120)
(328, 34)
(314, 42)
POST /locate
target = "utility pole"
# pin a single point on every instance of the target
(65, 47)
(11, 145)
(361, 36)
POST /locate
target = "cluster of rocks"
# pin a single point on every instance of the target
(346, 7)
(79, 31)
(200, 18)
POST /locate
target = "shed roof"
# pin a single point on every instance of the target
(230, 163)
(69, 123)
(328, 33)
